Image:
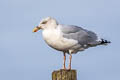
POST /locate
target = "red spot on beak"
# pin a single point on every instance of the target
(35, 29)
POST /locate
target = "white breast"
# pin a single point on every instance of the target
(54, 38)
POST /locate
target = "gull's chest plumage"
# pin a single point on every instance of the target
(54, 38)
(51, 36)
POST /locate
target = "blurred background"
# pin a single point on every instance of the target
(25, 56)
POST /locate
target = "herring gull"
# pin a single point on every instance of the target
(67, 38)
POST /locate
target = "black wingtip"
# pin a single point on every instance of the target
(103, 41)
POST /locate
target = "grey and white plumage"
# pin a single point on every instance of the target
(68, 38)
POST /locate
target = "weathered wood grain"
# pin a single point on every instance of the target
(64, 75)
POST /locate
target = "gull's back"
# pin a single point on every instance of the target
(83, 36)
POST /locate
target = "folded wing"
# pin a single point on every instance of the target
(83, 36)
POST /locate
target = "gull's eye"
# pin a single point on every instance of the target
(44, 22)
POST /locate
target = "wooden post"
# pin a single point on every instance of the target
(64, 75)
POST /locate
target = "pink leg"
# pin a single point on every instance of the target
(64, 61)
(70, 58)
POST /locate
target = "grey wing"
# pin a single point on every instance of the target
(70, 29)
(83, 36)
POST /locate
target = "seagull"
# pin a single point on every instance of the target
(68, 38)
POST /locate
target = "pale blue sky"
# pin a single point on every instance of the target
(25, 56)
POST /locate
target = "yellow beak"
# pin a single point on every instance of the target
(35, 29)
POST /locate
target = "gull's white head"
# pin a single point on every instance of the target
(46, 23)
